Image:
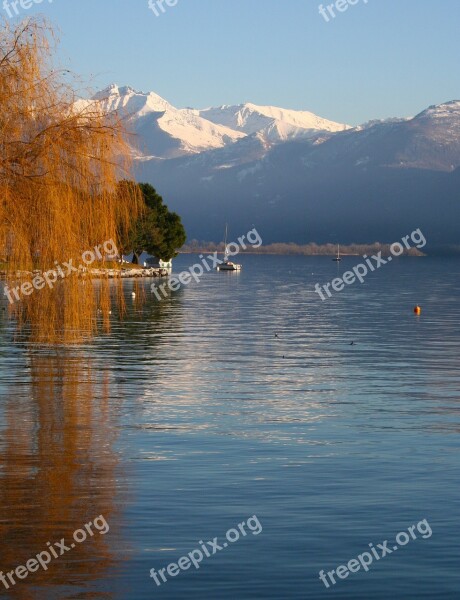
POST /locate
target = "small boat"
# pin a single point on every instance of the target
(338, 258)
(228, 265)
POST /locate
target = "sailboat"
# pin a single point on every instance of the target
(338, 258)
(228, 265)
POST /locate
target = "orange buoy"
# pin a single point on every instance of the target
(417, 310)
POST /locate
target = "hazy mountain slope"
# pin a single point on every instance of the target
(431, 140)
(296, 176)
(377, 182)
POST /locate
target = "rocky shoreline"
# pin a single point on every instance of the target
(122, 273)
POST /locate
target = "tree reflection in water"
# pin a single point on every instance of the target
(58, 472)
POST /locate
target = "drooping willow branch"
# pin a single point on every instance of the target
(61, 159)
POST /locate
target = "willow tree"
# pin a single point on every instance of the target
(60, 161)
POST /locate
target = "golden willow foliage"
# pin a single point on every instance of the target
(60, 162)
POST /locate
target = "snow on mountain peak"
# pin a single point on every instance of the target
(166, 131)
(440, 111)
(163, 130)
(129, 101)
(278, 124)
(110, 90)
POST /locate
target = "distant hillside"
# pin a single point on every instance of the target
(196, 247)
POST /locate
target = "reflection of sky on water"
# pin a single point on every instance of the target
(193, 414)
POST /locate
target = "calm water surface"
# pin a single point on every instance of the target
(192, 416)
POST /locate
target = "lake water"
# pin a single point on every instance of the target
(193, 416)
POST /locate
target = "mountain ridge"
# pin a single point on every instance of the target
(192, 131)
(379, 180)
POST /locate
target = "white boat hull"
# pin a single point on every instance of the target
(229, 267)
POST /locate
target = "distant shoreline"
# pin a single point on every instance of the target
(301, 250)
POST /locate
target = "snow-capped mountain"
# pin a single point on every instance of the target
(296, 176)
(165, 131)
(378, 181)
(430, 140)
(276, 124)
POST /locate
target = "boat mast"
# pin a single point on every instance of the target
(225, 243)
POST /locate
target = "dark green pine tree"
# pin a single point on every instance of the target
(159, 231)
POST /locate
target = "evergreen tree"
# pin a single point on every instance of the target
(158, 231)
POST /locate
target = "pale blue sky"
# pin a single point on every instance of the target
(380, 59)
